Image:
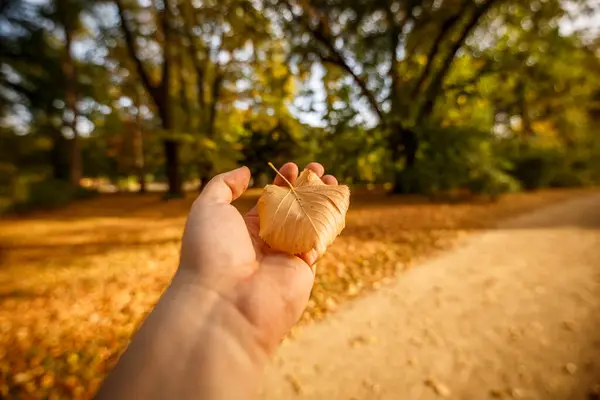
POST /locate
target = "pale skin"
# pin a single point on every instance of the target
(227, 308)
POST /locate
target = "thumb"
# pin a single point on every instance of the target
(226, 187)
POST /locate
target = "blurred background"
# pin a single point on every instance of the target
(428, 96)
(438, 100)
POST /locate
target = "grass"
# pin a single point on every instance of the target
(75, 283)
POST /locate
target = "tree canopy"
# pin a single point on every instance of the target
(429, 95)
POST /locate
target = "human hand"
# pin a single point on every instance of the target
(229, 305)
(223, 253)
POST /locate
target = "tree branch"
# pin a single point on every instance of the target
(447, 26)
(436, 84)
(183, 97)
(524, 108)
(193, 51)
(335, 57)
(165, 86)
(488, 68)
(359, 82)
(396, 30)
(130, 42)
(394, 33)
(217, 84)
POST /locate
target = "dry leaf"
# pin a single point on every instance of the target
(438, 387)
(304, 216)
(307, 178)
(296, 386)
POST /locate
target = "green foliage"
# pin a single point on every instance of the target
(276, 145)
(514, 99)
(48, 194)
(537, 166)
(355, 155)
(9, 189)
(453, 158)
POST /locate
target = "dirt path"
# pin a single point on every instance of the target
(512, 313)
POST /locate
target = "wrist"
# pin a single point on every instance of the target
(193, 345)
(225, 344)
(219, 318)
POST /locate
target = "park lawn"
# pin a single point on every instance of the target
(75, 283)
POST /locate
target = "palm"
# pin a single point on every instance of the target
(269, 288)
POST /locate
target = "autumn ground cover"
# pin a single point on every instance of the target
(75, 283)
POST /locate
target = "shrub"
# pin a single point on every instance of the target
(354, 155)
(534, 168)
(452, 158)
(538, 166)
(49, 194)
(493, 183)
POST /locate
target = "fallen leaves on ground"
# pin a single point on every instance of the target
(75, 283)
(438, 387)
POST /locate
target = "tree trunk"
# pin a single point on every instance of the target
(138, 148)
(171, 149)
(204, 167)
(142, 180)
(75, 175)
(524, 110)
(170, 146)
(59, 156)
(160, 92)
(404, 143)
(71, 100)
(435, 87)
(411, 145)
(138, 143)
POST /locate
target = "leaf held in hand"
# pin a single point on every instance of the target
(304, 216)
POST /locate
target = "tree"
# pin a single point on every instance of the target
(159, 90)
(271, 131)
(28, 67)
(196, 86)
(46, 81)
(67, 13)
(218, 37)
(211, 37)
(395, 55)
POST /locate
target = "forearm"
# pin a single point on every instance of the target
(193, 345)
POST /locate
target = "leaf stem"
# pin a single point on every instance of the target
(281, 175)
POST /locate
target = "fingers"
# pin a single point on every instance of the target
(330, 180)
(316, 168)
(226, 187)
(290, 278)
(310, 259)
(290, 171)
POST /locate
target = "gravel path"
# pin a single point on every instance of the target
(512, 313)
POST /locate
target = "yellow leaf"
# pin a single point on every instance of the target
(307, 178)
(207, 143)
(305, 216)
(47, 380)
(290, 86)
